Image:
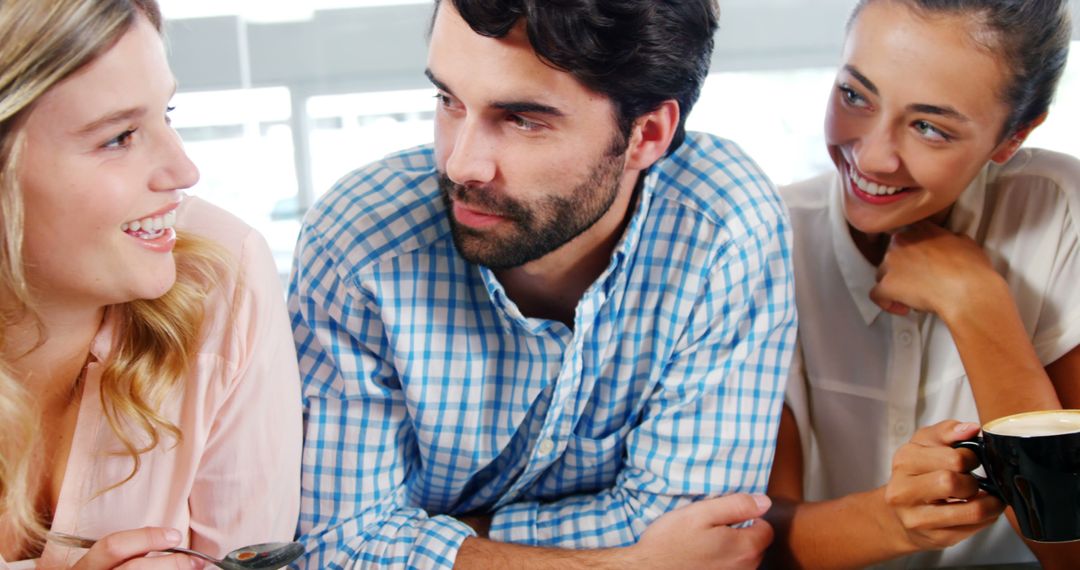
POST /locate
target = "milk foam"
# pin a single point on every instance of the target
(1036, 424)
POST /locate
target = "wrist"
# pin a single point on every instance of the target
(895, 538)
(973, 298)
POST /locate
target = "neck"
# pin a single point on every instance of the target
(47, 353)
(871, 246)
(552, 286)
(874, 246)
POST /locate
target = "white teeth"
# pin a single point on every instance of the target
(150, 227)
(873, 187)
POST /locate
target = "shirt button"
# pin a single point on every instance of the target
(546, 446)
(905, 338)
(901, 429)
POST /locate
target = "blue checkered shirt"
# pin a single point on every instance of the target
(429, 395)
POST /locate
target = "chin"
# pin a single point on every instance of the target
(148, 289)
(868, 224)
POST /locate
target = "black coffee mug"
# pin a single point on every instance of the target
(1032, 463)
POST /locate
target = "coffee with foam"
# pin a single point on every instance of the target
(1036, 424)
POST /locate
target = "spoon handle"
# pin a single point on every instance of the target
(65, 539)
(195, 553)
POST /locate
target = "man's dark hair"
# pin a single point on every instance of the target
(639, 53)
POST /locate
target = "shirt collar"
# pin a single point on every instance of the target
(626, 245)
(859, 274)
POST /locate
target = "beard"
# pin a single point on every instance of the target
(535, 228)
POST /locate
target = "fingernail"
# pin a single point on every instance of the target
(172, 535)
(763, 501)
(965, 426)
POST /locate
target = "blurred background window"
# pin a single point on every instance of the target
(280, 98)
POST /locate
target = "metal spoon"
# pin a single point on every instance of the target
(266, 556)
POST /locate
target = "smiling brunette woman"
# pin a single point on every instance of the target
(148, 386)
(936, 273)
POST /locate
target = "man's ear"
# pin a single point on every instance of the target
(1008, 147)
(651, 135)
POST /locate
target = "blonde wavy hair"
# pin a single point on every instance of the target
(45, 41)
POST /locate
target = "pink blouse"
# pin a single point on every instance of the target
(234, 478)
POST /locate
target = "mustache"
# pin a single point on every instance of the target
(482, 197)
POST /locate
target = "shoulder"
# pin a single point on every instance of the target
(245, 303)
(809, 194)
(199, 217)
(1035, 165)
(244, 247)
(385, 209)
(1036, 179)
(715, 178)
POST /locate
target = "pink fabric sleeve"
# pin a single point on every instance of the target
(247, 486)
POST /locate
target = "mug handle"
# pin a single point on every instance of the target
(975, 444)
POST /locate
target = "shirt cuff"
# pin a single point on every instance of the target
(440, 541)
(515, 523)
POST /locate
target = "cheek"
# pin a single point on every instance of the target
(838, 128)
(945, 180)
(444, 140)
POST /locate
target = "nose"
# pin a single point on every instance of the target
(876, 150)
(471, 159)
(173, 170)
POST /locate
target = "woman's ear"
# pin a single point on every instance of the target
(1008, 147)
(651, 135)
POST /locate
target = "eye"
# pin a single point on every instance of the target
(929, 132)
(123, 140)
(852, 97)
(522, 123)
(444, 100)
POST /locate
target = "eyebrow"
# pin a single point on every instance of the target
(121, 116)
(940, 110)
(531, 107)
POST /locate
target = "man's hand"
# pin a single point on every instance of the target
(699, 535)
(128, 549)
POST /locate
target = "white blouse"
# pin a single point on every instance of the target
(864, 380)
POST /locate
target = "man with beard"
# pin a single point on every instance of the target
(523, 345)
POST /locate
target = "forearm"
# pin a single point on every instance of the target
(479, 554)
(610, 518)
(854, 531)
(1003, 369)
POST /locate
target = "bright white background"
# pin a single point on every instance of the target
(279, 98)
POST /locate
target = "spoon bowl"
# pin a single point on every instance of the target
(266, 556)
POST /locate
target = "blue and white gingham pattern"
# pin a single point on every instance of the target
(428, 395)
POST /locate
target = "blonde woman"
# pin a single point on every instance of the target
(149, 394)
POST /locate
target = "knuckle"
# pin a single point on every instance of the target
(892, 495)
(945, 482)
(112, 547)
(902, 457)
(956, 463)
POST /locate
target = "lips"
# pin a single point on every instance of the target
(150, 227)
(871, 191)
(154, 231)
(473, 218)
